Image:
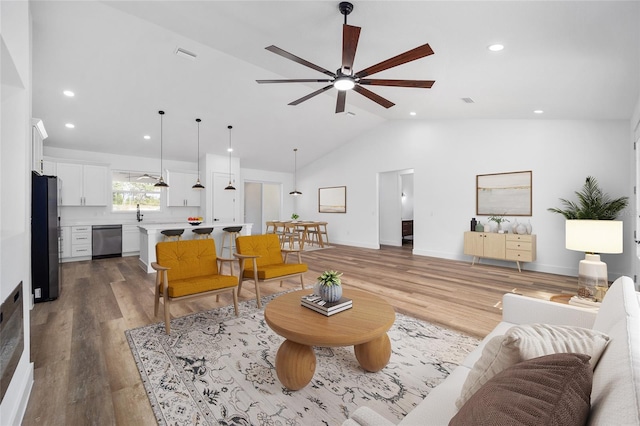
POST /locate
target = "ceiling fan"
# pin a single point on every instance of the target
(344, 79)
(147, 176)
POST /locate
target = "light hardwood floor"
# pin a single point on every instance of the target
(84, 370)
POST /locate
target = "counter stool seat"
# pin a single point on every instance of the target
(172, 234)
(232, 232)
(202, 233)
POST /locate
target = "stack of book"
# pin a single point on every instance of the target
(315, 302)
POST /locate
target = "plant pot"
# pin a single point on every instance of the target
(330, 293)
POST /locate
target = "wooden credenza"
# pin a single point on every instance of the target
(514, 247)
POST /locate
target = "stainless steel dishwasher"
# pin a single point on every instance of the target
(106, 241)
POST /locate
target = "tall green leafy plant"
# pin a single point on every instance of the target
(592, 203)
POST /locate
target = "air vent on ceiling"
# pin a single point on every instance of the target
(185, 53)
(468, 100)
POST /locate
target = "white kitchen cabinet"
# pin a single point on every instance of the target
(65, 242)
(130, 239)
(83, 184)
(49, 168)
(38, 134)
(81, 241)
(180, 192)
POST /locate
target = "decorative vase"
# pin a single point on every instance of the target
(514, 227)
(522, 229)
(330, 293)
(528, 227)
(479, 227)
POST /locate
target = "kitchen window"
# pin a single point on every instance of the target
(130, 189)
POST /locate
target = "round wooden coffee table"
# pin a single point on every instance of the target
(364, 327)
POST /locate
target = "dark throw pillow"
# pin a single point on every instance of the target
(548, 390)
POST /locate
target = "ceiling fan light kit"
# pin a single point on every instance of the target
(344, 79)
(161, 183)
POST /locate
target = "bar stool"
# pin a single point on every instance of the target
(172, 234)
(202, 233)
(232, 232)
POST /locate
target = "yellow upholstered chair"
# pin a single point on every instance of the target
(189, 269)
(262, 259)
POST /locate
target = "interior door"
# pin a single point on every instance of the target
(224, 201)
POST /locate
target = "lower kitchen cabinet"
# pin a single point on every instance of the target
(130, 239)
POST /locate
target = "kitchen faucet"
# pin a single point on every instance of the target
(138, 215)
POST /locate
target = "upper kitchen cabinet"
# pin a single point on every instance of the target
(38, 134)
(83, 184)
(180, 192)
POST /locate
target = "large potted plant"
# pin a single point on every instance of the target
(591, 228)
(592, 204)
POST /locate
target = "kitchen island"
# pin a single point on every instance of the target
(150, 235)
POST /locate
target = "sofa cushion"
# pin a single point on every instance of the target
(528, 341)
(548, 390)
(616, 381)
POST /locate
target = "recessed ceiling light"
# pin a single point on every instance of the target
(229, 149)
(147, 137)
(412, 113)
(69, 125)
(68, 93)
(538, 111)
(495, 47)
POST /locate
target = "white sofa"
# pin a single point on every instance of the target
(615, 393)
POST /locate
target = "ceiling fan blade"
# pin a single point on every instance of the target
(424, 84)
(375, 98)
(311, 95)
(403, 58)
(350, 36)
(299, 60)
(342, 99)
(298, 80)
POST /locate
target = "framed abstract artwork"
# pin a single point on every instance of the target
(332, 200)
(504, 194)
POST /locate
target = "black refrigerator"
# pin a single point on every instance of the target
(45, 224)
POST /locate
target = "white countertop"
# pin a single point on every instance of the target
(187, 225)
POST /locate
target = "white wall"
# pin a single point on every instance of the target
(446, 156)
(15, 150)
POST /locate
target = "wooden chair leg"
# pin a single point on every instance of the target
(240, 276)
(235, 300)
(157, 301)
(301, 281)
(255, 280)
(167, 308)
(217, 297)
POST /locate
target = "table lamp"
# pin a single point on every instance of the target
(593, 237)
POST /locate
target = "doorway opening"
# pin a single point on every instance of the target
(396, 199)
(262, 202)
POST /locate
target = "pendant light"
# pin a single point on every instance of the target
(295, 191)
(161, 183)
(230, 187)
(198, 185)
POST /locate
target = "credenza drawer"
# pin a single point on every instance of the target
(520, 237)
(518, 245)
(520, 255)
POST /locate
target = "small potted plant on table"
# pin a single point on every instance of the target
(329, 286)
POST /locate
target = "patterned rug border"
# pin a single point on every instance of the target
(248, 309)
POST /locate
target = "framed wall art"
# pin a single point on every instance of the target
(332, 200)
(504, 194)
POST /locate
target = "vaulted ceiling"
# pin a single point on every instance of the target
(573, 60)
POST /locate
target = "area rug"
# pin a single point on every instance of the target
(218, 369)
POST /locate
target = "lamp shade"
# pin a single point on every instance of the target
(594, 236)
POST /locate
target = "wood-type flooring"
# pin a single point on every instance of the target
(85, 373)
